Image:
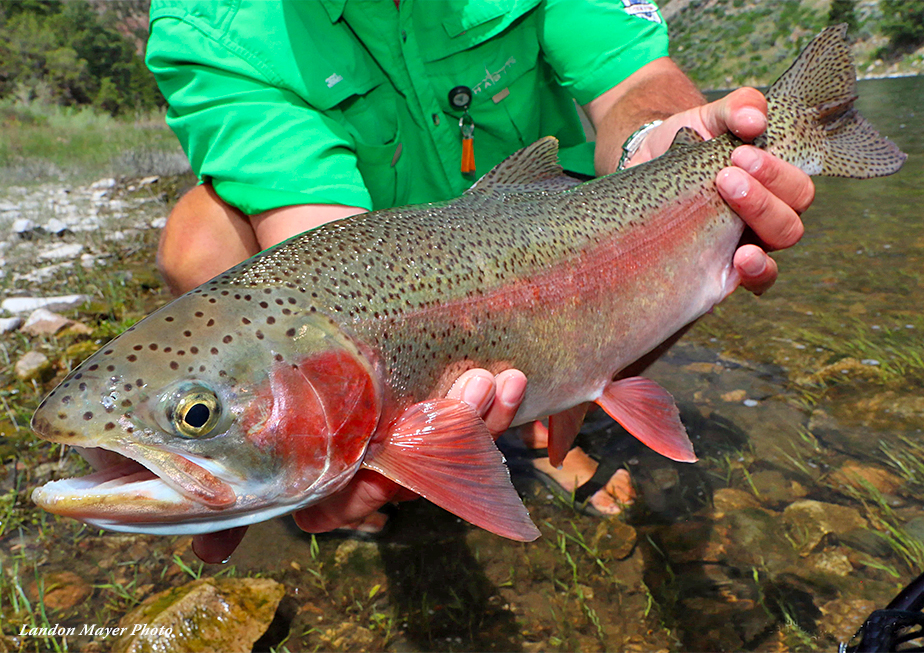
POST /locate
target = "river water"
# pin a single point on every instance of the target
(802, 516)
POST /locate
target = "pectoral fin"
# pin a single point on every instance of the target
(442, 450)
(647, 411)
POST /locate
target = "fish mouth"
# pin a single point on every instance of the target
(136, 487)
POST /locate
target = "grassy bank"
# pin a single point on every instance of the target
(46, 144)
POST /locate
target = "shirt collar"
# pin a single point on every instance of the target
(334, 9)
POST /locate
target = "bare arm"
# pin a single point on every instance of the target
(767, 193)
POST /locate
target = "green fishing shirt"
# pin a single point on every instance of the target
(346, 102)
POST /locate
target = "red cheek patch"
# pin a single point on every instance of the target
(321, 408)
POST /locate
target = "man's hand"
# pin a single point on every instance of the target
(495, 398)
(766, 192)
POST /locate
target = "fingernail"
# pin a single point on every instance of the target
(734, 182)
(747, 158)
(511, 390)
(754, 266)
(477, 393)
(754, 118)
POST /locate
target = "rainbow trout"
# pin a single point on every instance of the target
(267, 388)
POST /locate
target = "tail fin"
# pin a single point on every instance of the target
(812, 121)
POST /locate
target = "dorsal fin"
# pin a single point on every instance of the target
(535, 168)
(686, 136)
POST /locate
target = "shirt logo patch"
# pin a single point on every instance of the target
(333, 80)
(492, 78)
(642, 9)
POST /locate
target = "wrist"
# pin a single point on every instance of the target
(634, 143)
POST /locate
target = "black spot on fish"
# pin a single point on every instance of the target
(88, 416)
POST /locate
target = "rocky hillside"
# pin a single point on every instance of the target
(729, 43)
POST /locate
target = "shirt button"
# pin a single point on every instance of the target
(436, 119)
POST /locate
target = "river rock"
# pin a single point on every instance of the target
(61, 591)
(64, 251)
(8, 324)
(809, 521)
(24, 228)
(29, 304)
(220, 615)
(103, 184)
(857, 475)
(43, 322)
(56, 227)
(728, 499)
(32, 365)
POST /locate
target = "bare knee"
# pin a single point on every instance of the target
(203, 237)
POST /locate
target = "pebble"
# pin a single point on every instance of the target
(61, 591)
(56, 227)
(23, 227)
(29, 304)
(8, 324)
(42, 322)
(104, 184)
(809, 521)
(158, 223)
(33, 365)
(223, 614)
(62, 252)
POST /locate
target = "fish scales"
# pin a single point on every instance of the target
(267, 388)
(436, 292)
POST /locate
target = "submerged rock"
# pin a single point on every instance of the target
(32, 365)
(61, 591)
(224, 615)
(809, 521)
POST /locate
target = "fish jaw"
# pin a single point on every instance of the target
(294, 417)
(126, 496)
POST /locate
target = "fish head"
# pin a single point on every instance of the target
(224, 408)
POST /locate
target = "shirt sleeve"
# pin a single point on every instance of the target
(260, 145)
(593, 45)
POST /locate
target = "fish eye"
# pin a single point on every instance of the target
(196, 412)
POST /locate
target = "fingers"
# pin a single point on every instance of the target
(218, 547)
(768, 194)
(366, 493)
(496, 399)
(743, 112)
(757, 270)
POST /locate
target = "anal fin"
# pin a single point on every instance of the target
(442, 450)
(648, 412)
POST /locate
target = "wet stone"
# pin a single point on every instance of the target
(729, 499)
(858, 475)
(775, 489)
(61, 591)
(8, 324)
(225, 615)
(831, 561)
(33, 365)
(809, 521)
(843, 617)
(42, 322)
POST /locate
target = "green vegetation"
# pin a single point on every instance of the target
(903, 23)
(71, 54)
(729, 43)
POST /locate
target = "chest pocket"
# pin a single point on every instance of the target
(354, 93)
(494, 50)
